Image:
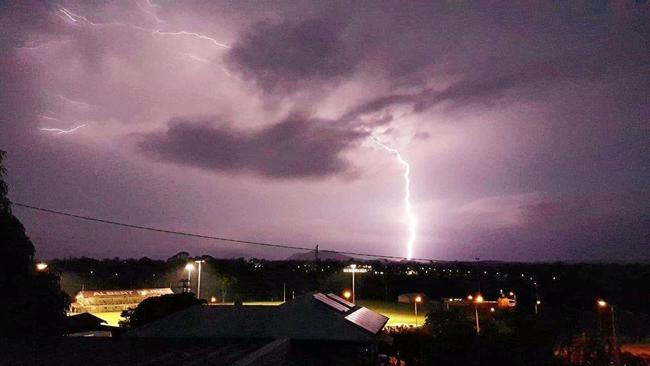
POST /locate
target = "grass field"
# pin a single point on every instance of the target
(398, 314)
(111, 318)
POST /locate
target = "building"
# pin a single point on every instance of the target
(410, 298)
(102, 301)
(311, 329)
(503, 303)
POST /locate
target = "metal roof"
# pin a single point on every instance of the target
(331, 303)
(341, 300)
(368, 320)
(304, 318)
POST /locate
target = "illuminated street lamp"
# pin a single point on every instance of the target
(415, 303)
(603, 304)
(353, 269)
(189, 268)
(198, 280)
(477, 300)
(347, 294)
(41, 267)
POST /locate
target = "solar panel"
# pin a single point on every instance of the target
(368, 320)
(331, 303)
(341, 300)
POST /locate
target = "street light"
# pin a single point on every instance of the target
(189, 267)
(415, 303)
(353, 269)
(603, 304)
(477, 300)
(347, 294)
(198, 281)
(537, 302)
(41, 267)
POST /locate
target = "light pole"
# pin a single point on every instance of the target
(353, 269)
(415, 303)
(537, 302)
(603, 304)
(189, 267)
(477, 300)
(198, 280)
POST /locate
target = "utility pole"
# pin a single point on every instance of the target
(617, 355)
(198, 280)
(284, 292)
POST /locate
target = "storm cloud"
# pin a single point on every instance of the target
(294, 148)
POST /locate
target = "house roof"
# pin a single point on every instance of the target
(305, 318)
(131, 352)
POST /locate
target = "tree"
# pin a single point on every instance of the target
(33, 303)
(155, 308)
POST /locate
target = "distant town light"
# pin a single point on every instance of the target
(602, 303)
(470, 297)
(213, 299)
(42, 266)
(492, 310)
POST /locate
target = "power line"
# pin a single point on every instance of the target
(209, 237)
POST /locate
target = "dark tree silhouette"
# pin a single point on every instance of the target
(33, 303)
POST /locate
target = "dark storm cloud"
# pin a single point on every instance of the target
(598, 226)
(294, 148)
(281, 56)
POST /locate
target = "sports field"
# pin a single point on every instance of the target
(398, 313)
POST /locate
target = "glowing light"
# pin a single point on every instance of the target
(601, 303)
(479, 299)
(410, 217)
(418, 299)
(213, 299)
(189, 267)
(59, 131)
(347, 294)
(41, 266)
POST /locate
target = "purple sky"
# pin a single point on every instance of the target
(526, 127)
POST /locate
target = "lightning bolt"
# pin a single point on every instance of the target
(75, 19)
(149, 12)
(410, 217)
(59, 131)
(192, 34)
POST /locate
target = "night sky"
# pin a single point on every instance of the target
(525, 127)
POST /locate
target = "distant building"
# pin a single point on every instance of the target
(102, 301)
(311, 329)
(503, 303)
(410, 298)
